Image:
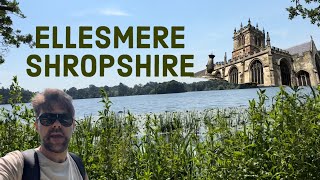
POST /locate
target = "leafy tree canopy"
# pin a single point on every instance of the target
(306, 9)
(9, 36)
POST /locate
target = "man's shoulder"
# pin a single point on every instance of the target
(14, 156)
(77, 162)
(11, 165)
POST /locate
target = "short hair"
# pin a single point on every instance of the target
(52, 97)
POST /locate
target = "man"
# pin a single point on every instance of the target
(55, 124)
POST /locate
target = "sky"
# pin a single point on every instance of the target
(209, 26)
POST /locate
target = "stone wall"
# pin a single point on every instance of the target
(306, 63)
(249, 44)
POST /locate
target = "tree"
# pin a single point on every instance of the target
(73, 92)
(309, 9)
(9, 36)
(123, 90)
(174, 87)
(94, 91)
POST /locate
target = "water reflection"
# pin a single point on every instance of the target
(175, 102)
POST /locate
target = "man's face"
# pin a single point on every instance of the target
(56, 137)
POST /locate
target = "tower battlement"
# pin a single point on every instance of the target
(279, 50)
(247, 40)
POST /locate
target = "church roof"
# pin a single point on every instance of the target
(300, 49)
(200, 73)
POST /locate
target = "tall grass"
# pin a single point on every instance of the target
(279, 142)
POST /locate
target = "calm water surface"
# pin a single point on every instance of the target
(174, 102)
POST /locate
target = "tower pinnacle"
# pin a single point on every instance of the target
(268, 40)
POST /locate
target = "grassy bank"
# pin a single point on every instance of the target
(281, 142)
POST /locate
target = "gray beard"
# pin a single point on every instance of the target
(56, 148)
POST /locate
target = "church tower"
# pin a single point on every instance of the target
(247, 40)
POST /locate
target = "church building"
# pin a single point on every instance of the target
(255, 61)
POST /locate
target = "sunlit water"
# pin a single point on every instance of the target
(174, 102)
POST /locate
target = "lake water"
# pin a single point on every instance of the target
(174, 102)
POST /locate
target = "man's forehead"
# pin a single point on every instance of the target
(54, 108)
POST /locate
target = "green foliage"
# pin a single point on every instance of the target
(280, 141)
(16, 125)
(308, 9)
(26, 95)
(9, 36)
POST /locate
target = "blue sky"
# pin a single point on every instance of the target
(208, 26)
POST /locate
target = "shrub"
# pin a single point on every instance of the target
(276, 142)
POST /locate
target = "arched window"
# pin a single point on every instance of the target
(256, 72)
(303, 78)
(217, 74)
(285, 73)
(243, 40)
(233, 75)
(317, 59)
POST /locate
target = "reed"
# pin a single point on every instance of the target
(276, 142)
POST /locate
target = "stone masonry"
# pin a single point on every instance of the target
(255, 61)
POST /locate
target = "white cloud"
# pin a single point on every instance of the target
(113, 12)
(105, 12)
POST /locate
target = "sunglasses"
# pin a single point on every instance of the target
(47, 119)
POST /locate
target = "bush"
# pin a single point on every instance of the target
(279, 142)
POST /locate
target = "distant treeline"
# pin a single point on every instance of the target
(122, 90)
(5, 95)
(150, 88)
